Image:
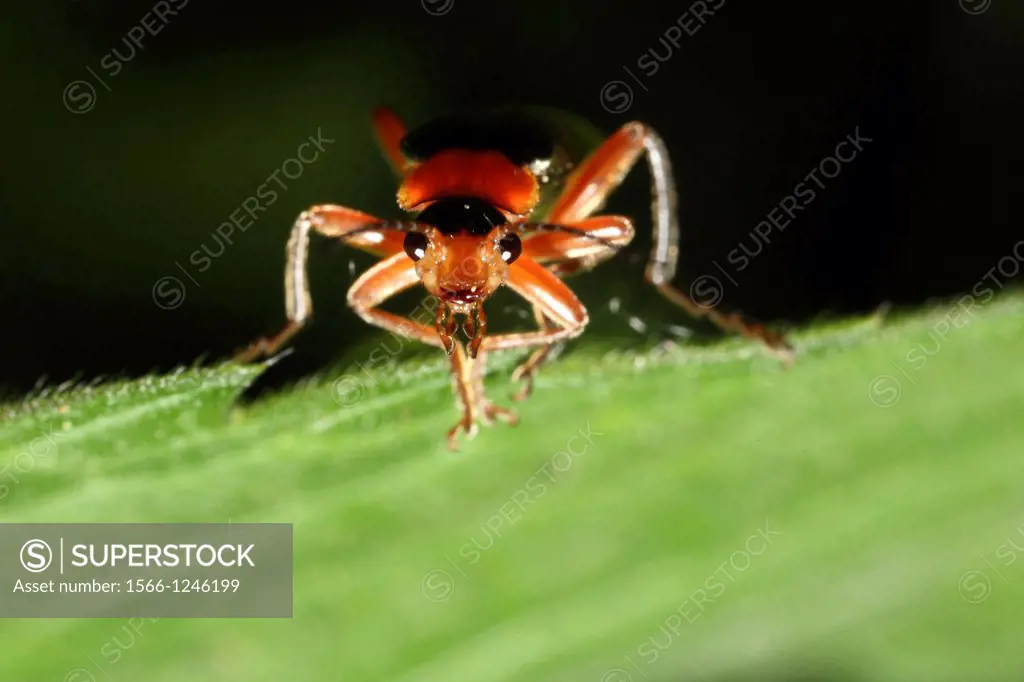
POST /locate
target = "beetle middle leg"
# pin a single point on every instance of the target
(560, 316)
(592, 241)
(524, 372)
(602, 172)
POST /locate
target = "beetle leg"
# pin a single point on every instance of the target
(488, 410)
(390, 130)
(395, 275)
(524, 372)
(555, 300)
(588, 188)
(591, 241)
(551, 300)
(468, 382)
(390, 277)
(385, 279)
(549, 296)
(565, 253)
(462, 382)
(330, 221)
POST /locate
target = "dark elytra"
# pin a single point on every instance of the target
(519, 136)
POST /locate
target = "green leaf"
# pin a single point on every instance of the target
(675, 514)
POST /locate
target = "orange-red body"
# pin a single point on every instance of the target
(486, 175)
(474, 194)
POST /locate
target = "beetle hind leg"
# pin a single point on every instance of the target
(775, 342)
(600, 174)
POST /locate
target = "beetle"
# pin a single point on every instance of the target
(495, 199)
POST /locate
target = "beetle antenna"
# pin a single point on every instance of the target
(529, 228)
(393, 225)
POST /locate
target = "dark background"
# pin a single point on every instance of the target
(96, 207)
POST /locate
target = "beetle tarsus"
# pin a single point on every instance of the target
(263, 348)
(490, 412)
(465, 425)
(525, 377)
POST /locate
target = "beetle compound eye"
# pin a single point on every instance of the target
(510, 248)
(415, 245)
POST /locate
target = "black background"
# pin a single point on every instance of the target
(96, 207)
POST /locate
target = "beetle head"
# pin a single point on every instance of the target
(462, 270)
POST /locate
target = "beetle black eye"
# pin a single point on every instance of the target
(415, 245)
(510, 248)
